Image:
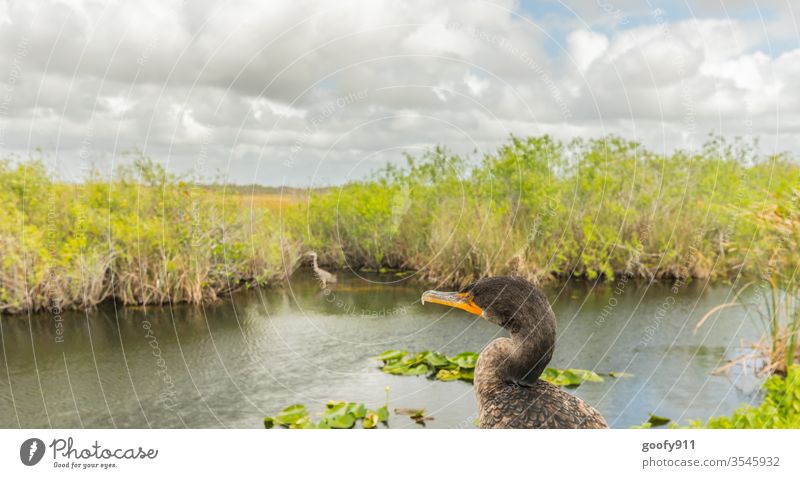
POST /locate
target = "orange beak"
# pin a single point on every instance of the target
(459, 300)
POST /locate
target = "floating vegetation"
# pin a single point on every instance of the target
(570, 378)
(336, 415)
(437, 366)
(657, 421)
(620, 375)
(654, 421)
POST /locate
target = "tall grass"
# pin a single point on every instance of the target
(544, 209)
(773, 297)
(144, 237)
(536, 207)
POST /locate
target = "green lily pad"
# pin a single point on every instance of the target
(420, 369)
(269, 422)
(337, 414)
(346, 420)
(358, 410)
(303, 423)
(447, 375)
(657, 421)
(342, 414)
(620, 374)
(333, 408)
(571, 377)
(391, 355)
(465, 359)
(586, 375)
(291, 414)
(383, 414)
(462, 367)
(437, 360)
(421, 357)
(396, 368)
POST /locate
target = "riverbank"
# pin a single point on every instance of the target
(549, 211)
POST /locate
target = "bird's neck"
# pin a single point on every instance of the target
(520, 359)
(530, 355)
(316, 266)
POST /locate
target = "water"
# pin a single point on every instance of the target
(229, 364)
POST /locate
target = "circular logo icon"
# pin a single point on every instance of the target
(31, 451)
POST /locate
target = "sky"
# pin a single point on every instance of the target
(303, 93)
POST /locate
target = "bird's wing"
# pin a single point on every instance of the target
(542, 405)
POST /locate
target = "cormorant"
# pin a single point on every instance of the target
(507, 385)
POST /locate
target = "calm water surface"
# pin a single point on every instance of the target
(230, 364)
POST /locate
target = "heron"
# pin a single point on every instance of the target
(507, 385)
(324, 276)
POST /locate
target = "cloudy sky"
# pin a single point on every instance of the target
(309, 93)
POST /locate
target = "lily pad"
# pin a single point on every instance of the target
(291, 415)
(383, 414)
(462, 367)
(269, 422)
(303, 423)
(657, 421)
(620, 374)
(420, 369)
(343, 414)
(391, 355)
(346, 420)
(465, 359)
(357, 409)
(447, 375)
(437, 360)
(571, 377)
(396, 368)
(337, 414)
(421, 357)
(585, 375)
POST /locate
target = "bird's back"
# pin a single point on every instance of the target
(541, 405)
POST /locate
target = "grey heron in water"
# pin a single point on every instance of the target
(324, 276)
(507, 385)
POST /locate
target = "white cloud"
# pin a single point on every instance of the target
(585, 47)
(476, 84)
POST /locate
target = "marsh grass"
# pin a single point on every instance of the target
(549, 210)
(145, 237)
(537, 207)
(773, 301)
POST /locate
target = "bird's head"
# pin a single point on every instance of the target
(510, 302)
